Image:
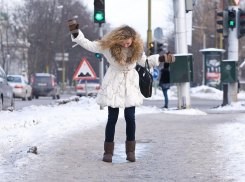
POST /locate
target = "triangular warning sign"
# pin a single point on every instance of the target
(84, 71)
(236, 2)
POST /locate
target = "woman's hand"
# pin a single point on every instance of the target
(73, 27)
(167, 58)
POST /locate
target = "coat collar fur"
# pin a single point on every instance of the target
(134, 54)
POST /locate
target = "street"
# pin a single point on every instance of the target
(196, 102)
(19, 104)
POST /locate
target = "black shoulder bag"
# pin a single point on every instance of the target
(145, 79)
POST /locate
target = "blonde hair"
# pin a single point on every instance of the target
(114, 38)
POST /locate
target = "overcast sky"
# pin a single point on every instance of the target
(135, 14)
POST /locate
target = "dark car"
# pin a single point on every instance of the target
(6, 92)
(44, 84)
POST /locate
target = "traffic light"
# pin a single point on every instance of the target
(159, 47)
(152, 48)
(223, 22)
(97, 55)
(240, 23)
(232, 18)
(99, 11)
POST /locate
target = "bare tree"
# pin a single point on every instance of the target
(48, 33)
(7, 41)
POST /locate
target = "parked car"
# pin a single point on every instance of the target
(6, 92)
(92, 86)
(44, 84)
(21, 88)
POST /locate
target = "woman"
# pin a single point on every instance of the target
(165, 82)
(123, 48)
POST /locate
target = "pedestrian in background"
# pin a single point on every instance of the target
(238, 86)
(164, 83)
(122, 48)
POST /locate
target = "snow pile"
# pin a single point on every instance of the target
(237, 106)
(205, 92)
(241, 95)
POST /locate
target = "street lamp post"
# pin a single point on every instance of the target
(204, 46)
(63, 48)
(63, 59)
(8, 59)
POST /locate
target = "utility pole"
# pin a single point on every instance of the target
(47, 44)
(63, 47)
(216, 33)
(220, 35)
(181, 48)
(101, 66)
(203, 62)
(63, 54)
(99, 17)
(149, 32)
(204, 47)
(233, 52)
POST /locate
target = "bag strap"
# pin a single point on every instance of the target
(146, 62)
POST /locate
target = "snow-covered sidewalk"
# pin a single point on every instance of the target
(69, 139)
(39, 125)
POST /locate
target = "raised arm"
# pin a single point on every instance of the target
(155, 59)
(78, 37)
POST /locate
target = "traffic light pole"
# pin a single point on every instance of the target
(233, 40)
(231, 29)
(149, 32)
(233, 55)
(101, 66)
(99, 17)
(184, 101)
(155, 82)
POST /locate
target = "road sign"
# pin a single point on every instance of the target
(236, 2)
(158, 34)
(155, 73)
(84, 71)
(59, 57)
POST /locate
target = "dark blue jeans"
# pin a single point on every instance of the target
(165, 93)
(129, 115)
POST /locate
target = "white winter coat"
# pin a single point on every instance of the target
(120, 86)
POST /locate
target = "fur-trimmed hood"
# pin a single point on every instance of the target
(134, 53)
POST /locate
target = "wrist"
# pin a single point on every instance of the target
(163, 58)
(74, 31)
(75, 35)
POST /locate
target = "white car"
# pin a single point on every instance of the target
(92, 87)
(21, 87)
(6, 92)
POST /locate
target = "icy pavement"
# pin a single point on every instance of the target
(173, 145)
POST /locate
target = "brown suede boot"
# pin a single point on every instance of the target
(130, 148)
(108, 147)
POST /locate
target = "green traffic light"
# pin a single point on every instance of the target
(231, 23)
(97, 55)
(99, 16)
